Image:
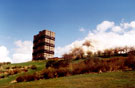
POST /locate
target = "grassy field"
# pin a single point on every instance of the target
(6, 81)
(93, 80)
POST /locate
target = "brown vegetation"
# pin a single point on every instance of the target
(118, 59)
(12, 70)
(57, 63)
(60, 68)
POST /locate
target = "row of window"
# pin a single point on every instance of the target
(42, 37)
(43, 44)
(43, 51)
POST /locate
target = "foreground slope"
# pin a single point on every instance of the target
(117, 79)
(103, 80)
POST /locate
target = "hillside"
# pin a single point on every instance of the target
(117, 79)
(7, 80)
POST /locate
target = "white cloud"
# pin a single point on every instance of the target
(23, 51)
(82, 29)
(104, 26)
(106, 35)
(132, 24)
(61, 50)
(4, 54)
(128, 25)
(116, 29)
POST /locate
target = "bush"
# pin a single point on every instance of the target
(14, 67)
(7, 67)
(30, 78)
(105, 67)
(63, 72)
(49, 73)
(53, 73)
(20, 79)
(26, 78)
(93, 64)
(15, 71)
(38, 75)
(60, 68)
(130, 62)
(33, 67)
(57, 63)
(2, 76)
(79, 68)
(89, 65)
(62, 63)
(50, 63)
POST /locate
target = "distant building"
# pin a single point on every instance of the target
(43, 45)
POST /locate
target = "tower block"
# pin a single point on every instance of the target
(43, 45)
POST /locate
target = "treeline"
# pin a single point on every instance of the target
(78, 53)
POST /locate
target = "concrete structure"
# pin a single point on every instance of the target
(43, 45)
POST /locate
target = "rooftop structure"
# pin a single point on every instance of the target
(43, 45)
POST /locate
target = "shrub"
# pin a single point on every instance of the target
(57, 63)
(97, 65)
(30, 78)
(50, 63)
(105, 67)
(25, 70)
(53, 73)
(7, 67)
(93, 64)
(49, 73)
(38, 75)
(20, 79)
(63, 72)
(15, 71)
(89, 65)
(26, 78)
(33, 67)
(130, 62)
(62, 63)
(14, 67)
(60, 68)
(114, 64)
(2, 76)
(79, 68)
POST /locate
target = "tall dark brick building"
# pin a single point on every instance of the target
(43, 45)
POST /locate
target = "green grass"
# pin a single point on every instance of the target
(39, 64)
(93, 80)
(6, 81)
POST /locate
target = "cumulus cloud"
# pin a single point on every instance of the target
(4, 54)
(23, 51)
(128, 25)
(117, 29)
(104, 26)
(106, 35)
(61, 50)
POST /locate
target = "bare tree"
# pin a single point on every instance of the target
(87, 43)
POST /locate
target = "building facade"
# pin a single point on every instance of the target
(43, 45)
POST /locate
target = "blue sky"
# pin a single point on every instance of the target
(21, 19)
